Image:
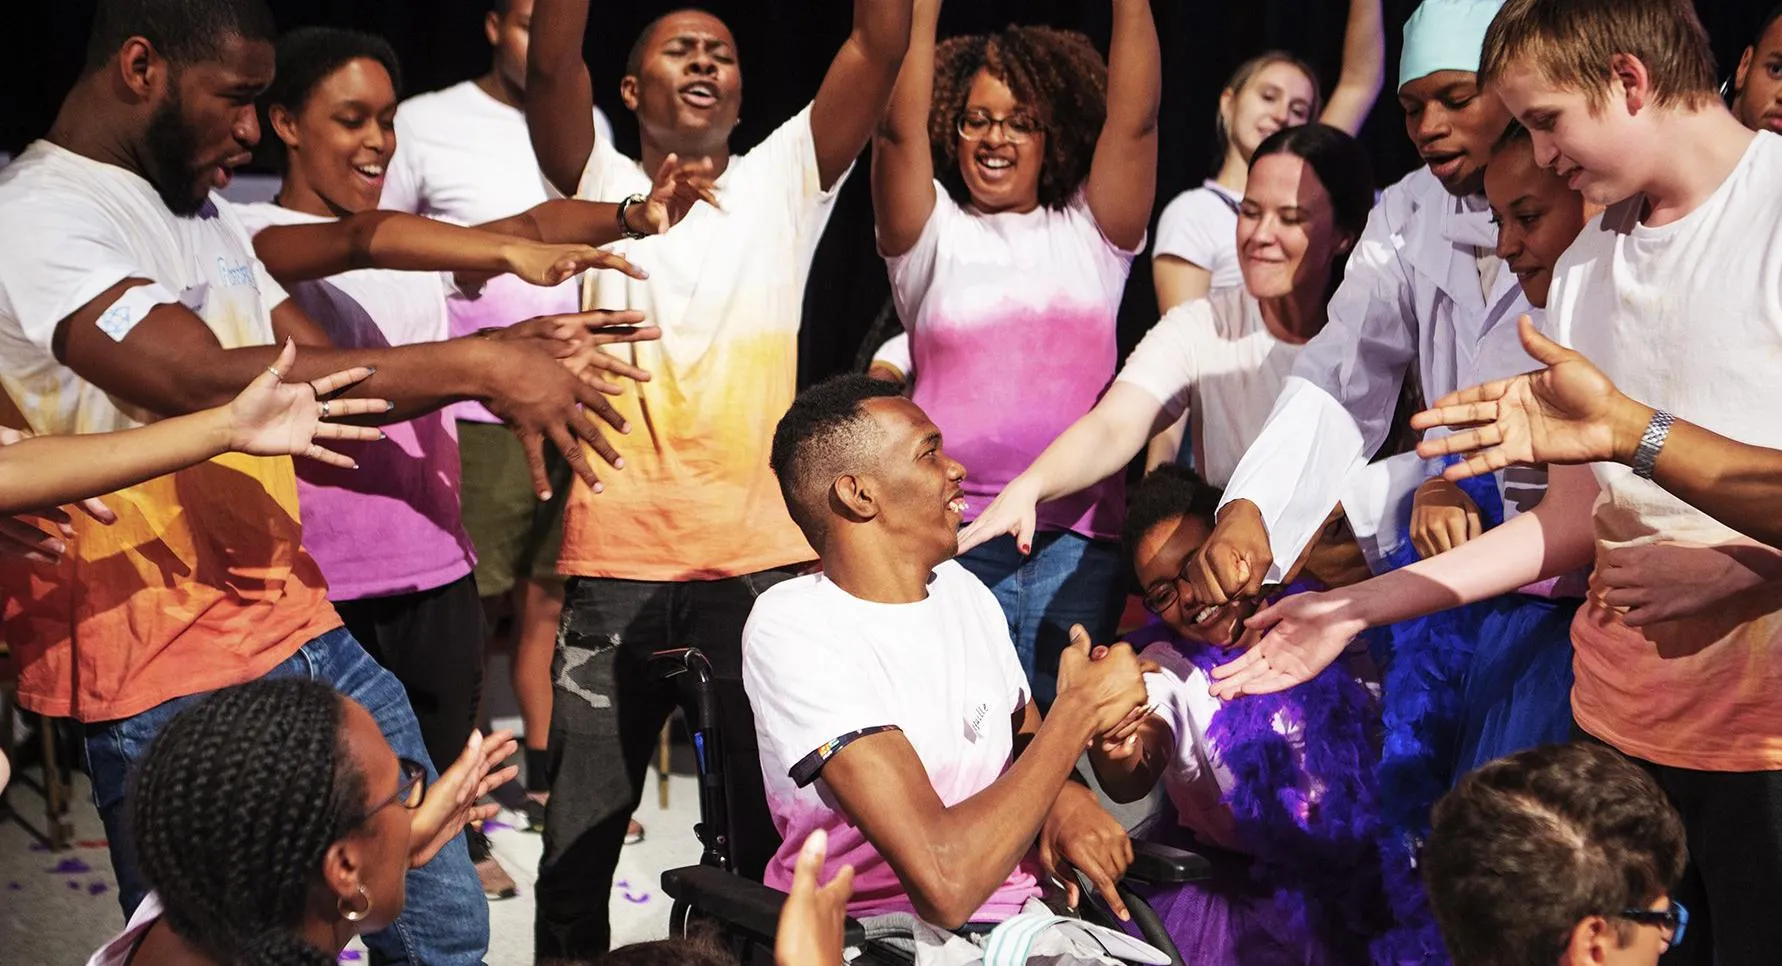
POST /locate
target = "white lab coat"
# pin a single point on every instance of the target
(1411, 291)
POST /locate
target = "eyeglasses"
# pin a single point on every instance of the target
(411, 789)
(1673, 920)
(1016, 128)
(1159, 598)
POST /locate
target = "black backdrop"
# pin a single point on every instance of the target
(785, 46)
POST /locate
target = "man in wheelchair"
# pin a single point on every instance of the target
(893, 714)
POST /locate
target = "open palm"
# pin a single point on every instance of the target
(1302, 635)
(272, 417)
(1563, 413)
(677, 188)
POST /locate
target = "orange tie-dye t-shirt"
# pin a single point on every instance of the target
(697, 499)
(202, 582)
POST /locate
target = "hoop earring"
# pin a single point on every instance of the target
(354, 915)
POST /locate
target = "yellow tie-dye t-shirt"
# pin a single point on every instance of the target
(697, 499)
(202, 582)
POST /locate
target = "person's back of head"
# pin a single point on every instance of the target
(1540, 856)
(825, 434)
(698, 948)
(185, 32)
(233, 810)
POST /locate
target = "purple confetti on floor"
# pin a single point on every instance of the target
(39, 847)
(97, 889)
(637, 900)
(13, 887)
(71, 867)
(491, 825)
(72, 884)
(349, 956)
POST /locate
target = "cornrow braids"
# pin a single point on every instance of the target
(1057, 74)
(233, 810)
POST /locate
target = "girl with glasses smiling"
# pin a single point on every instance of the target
(1012, 185)
(274, 824)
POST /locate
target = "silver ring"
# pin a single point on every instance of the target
(275, 373)
(324, 405)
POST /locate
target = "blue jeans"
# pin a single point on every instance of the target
(1068, 579)
(446, 919)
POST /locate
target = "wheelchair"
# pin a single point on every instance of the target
(746, 913)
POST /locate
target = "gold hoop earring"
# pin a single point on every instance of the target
(354, 915)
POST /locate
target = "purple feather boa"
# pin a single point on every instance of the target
(1318, 854)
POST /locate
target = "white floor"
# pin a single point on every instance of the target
(56, 908)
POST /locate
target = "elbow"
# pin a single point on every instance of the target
(946, 911)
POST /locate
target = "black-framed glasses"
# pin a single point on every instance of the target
(1017, 128)
(411, 789)
(1673, 920)
(1158, 599)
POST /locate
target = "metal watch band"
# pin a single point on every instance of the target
(625, 229)
(1651, 441)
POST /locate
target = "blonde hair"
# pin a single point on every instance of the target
(1246, 72)
(1569, 44)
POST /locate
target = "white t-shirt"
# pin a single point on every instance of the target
(1685, 317)
(1197, 780)
(697, 499)
(823, 667)
(406, 487)
(1012, 320)
(1200, 226)
(1215, 359)
(118, 951)
(465, 157)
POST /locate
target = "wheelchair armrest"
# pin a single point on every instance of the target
(1159, 864)
(744, 903)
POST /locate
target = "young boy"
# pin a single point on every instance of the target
(1674, 296)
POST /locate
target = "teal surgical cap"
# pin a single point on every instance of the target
(1445, 35)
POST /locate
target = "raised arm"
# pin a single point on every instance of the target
(902, 159)
(852, 99)
(950, 859)
(1123, 176)
(559, 92)
(1364, 68)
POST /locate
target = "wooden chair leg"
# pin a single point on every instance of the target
(55, 791)
(662, 764)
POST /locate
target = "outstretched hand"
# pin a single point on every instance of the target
(1568, 412)
(1013, 512)
(451, 801)
(272, 417)
(24, 536)
(813, 918)
(679, 185)
(547, 264)
(1302, 635)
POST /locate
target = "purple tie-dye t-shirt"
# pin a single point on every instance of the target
(1012, 331)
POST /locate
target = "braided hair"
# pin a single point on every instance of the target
(233, 810)
(1058, 74)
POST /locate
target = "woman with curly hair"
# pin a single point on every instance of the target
(1012, 183)
(274, 824)
(1195, 252)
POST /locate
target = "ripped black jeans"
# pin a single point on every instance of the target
(605, 717)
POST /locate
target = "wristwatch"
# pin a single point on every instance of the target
(1651, 441)
(625, 229)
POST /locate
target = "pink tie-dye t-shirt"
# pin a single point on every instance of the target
(823, 667)
(1012, 332)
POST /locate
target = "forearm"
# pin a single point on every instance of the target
(559, 93)
(1736, 483)
(1094, 448)
(1555, 537)
(1135, 72)
(563, 221)
(47, 471)
(976, 842)
(906, 117)
(1166, 447)
(1363, 70)
(379, 239)
(416, 378)
(902, 165)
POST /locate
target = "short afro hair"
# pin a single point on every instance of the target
(641, 46)
(1167, 492)
(1057, 74)
(308, 56)
(183, 31)
(823, 435)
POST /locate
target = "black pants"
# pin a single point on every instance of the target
(605, 719)
(1732, 885)
(432, 640)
